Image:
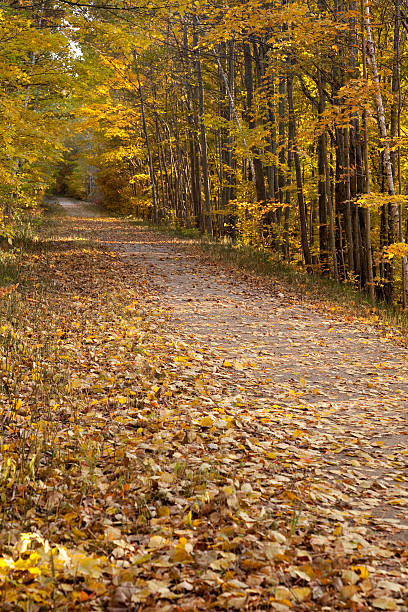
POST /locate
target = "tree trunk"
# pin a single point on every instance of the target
(322, 156)
(299, 182)
(149, 155)
(367, 224)
(249, 84)
(203, 140)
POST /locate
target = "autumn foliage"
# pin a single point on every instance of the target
(176, 435)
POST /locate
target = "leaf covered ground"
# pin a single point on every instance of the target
(176, 437)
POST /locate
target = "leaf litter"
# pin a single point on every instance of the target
(176, 436)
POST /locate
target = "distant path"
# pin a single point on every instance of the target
(346, 386)
(75, 208)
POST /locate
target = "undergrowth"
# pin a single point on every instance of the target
(25, 237)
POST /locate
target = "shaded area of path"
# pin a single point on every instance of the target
(344, 386)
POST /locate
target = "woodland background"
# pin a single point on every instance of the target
(279, 125)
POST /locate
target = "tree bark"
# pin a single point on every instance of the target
(149, 155)
(203, 140)
(257, 163)
(299, 182)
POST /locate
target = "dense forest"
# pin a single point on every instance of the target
(279, 125)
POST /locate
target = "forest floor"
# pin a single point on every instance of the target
(179, 436)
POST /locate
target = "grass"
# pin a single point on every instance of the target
(9, 269)
(10, 254)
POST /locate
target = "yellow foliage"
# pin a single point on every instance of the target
(398, 249)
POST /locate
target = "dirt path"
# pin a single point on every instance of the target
(342, 388)
(286, 352)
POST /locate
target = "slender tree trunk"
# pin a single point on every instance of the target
(322, 187)
(281, 131)
(332, 235)
(299, 182)
(395, 130)
(367, 225)
(347, 207)
(249, 84)
(381, 119)
(149, 155)
(203, 139)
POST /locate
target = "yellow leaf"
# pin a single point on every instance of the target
(70, 516)
(282, 593)
(97, 587)
(206, 422)
(189, 519)
(87, 566)
(80, 596)
(5, 564)
(361, 570)
(156, 541)
(182, 551)
(385, 603)
(301, 593)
